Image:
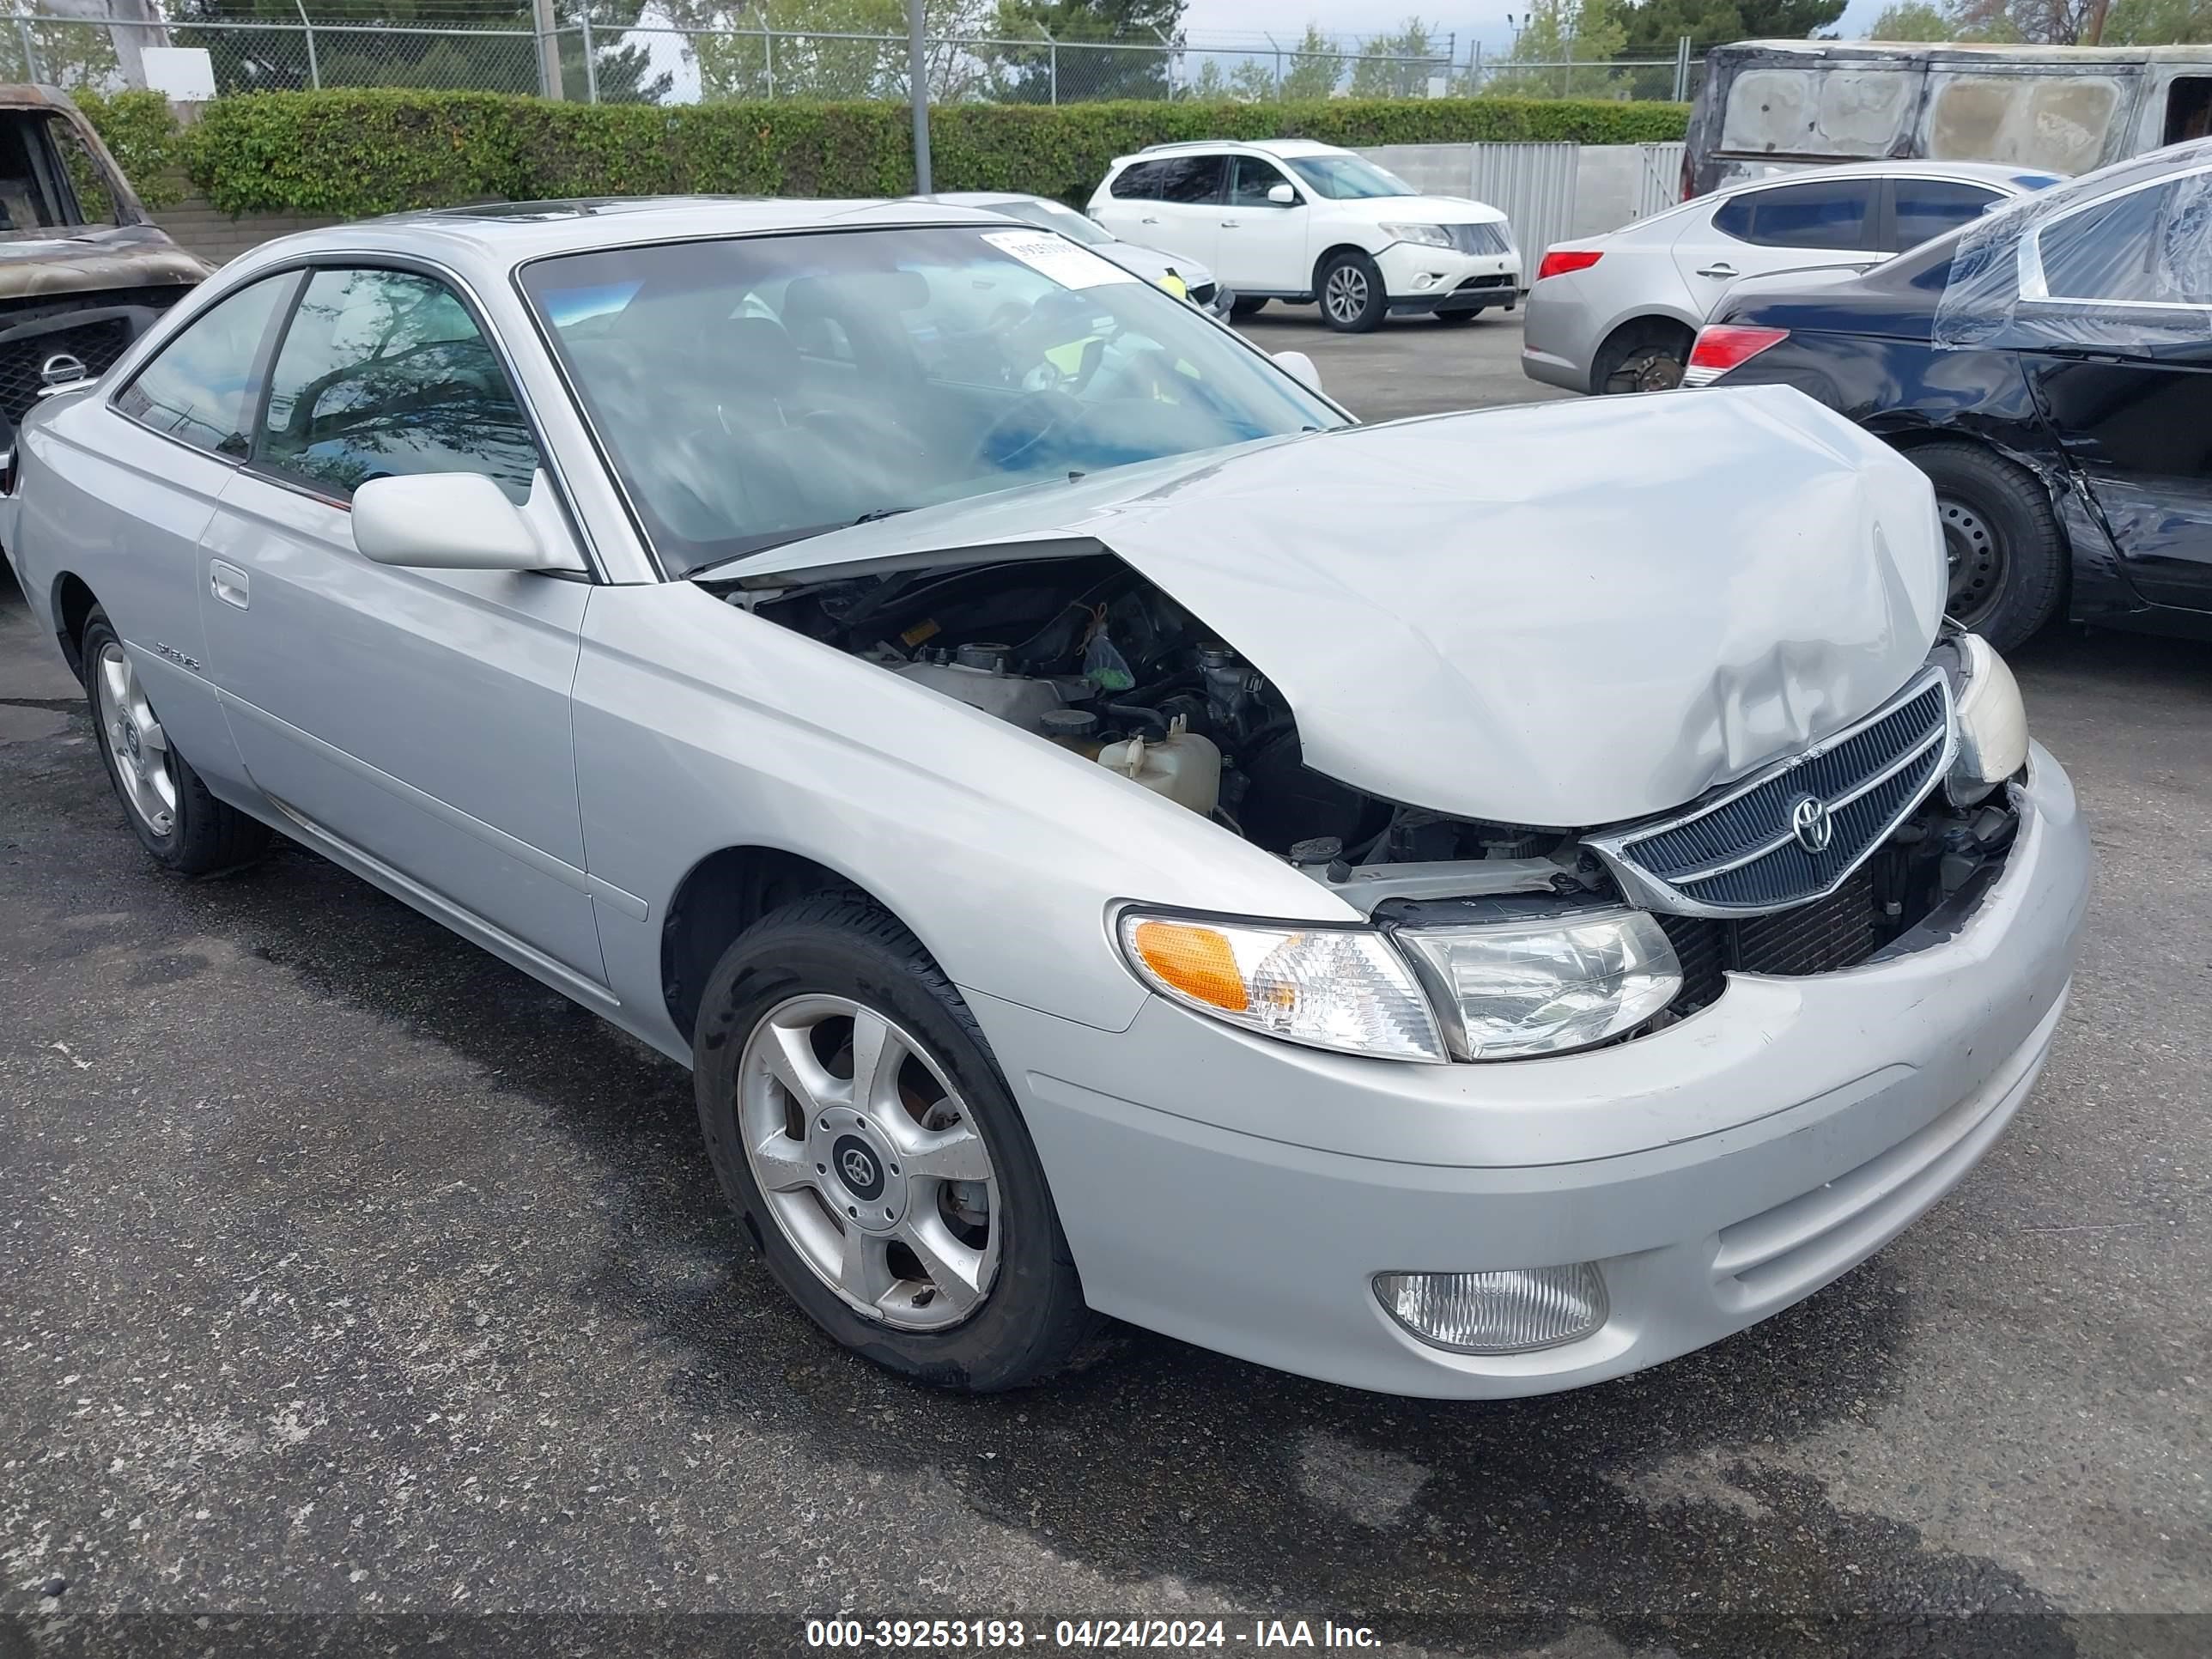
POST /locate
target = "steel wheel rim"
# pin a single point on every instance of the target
(887, 1191)
(1976, 561)
(139, 753)
(1346, 293)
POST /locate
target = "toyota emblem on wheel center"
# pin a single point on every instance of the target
(857, 1167)
(1811, 823)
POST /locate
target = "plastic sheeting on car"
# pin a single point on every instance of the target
(2118, 259)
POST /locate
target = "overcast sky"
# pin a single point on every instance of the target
(1252, 17)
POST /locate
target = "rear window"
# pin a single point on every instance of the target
(1929, 207)
(1834, 213)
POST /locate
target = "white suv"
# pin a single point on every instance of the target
(1288, 219)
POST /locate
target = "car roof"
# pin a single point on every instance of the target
(1989, 172)
(509, 233)
(1283, 148)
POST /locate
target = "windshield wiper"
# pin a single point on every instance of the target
(876, 512)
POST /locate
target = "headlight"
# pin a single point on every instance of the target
(1329, 987)
(1992, 723)
(1433, 236)
(1544, 986)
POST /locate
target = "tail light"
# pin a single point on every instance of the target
(1723, 346)
(1689, 177)
(1559, 261)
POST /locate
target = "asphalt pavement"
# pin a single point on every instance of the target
(351, 1277)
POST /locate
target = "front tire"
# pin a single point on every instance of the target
(2007, 553)
(170, 809)
(863, 1134)
(1349, 286)
(1240, 309)
(1459, 318)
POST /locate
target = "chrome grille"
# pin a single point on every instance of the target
(1741, 854)
(1491, 238)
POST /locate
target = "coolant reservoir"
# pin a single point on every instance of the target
(1183, 766)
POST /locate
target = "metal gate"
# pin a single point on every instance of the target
(1534, 185)
(1659, 180)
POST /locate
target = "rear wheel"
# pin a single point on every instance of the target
(185, 828)
(1240, 309)
(1642, 357)
(2001, 538)
(862, 1130)
(1350, 289)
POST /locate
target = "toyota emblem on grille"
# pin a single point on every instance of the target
(1809, 821)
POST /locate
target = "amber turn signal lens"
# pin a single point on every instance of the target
(1197, 961)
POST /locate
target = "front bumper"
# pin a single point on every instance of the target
(1421, 278)
(1241, 1193)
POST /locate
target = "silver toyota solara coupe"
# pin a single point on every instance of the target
(1471, 905)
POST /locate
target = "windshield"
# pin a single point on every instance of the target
(1347, 178)
(1053, 217)
(753, 391)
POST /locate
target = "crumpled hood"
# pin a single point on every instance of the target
(1566, 615)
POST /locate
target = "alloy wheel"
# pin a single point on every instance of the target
(1976, 561)
(1345, 294)
(870, 1164)
(137, 749)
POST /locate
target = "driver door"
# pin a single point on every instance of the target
(414, 722)
(1263, 246)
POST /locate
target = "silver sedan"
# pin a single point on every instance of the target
(1619, 312)
(1465, 907)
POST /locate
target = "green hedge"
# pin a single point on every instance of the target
(347, 154)
(141, 132)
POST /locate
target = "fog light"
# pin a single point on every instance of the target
(1425, 280)
(1510, 1311)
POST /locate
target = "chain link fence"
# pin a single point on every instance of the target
(656, 61)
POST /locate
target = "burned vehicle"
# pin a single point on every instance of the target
(1768, 107)
(82, 270)
(1110, 835)
(2048, 367)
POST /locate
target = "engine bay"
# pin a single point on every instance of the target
(1084, 651)
(1087, 653)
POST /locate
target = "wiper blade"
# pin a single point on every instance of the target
(876, 512)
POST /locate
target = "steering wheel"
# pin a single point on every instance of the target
(1015, 434)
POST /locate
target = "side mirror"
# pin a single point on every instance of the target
(1300, 368)
(1282, 196)
(448, 521)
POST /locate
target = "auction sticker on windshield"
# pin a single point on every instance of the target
(1057, 258)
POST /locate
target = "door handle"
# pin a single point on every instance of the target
(1717, 270)
(1232, 224)
(1148, 222)
(227, 583)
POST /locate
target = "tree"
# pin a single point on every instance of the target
(398, 44)
(803, 48)
(1314, 68)
(1023, 73)
(1575, 40)
(1398, 65)
(1253, 81)
(2050, 22)
(2158, 23)
(1912, 20)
